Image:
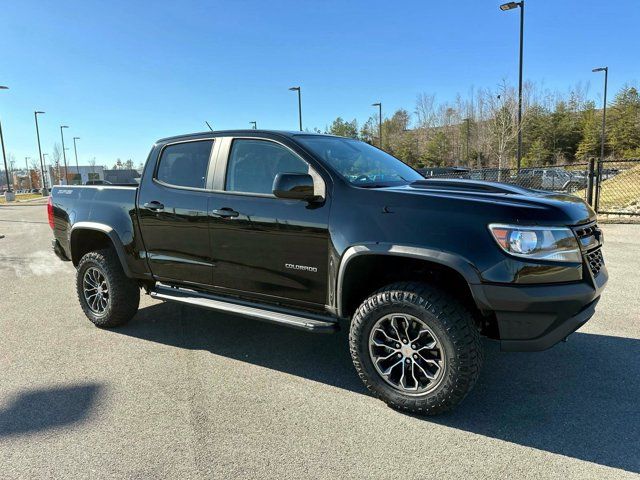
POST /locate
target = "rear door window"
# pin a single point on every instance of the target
(185, 164)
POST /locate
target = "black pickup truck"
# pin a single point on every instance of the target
(316, 231)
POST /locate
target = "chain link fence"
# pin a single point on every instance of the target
(610, 186)
(617, 190)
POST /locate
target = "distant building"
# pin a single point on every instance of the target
(76, 176)
(122, 175)
(21, 180)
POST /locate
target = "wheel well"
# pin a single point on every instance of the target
(367, 273)
(85, 241)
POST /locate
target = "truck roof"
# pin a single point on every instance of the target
(250, 132)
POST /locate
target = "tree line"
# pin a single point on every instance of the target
(481, 130)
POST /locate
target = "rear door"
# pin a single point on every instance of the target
(262, 246)
(172, 208)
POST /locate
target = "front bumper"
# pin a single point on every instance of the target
(536, 317)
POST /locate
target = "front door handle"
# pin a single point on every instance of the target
(155, 206)
(224, 212)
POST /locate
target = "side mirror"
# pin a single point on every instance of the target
(294, 186)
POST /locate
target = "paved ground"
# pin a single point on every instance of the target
(182, 393)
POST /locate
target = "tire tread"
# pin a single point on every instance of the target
(457, 322)
(125, 293)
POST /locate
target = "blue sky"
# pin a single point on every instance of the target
(122, 74)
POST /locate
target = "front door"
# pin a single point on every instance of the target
(172, 208)
(263, 246)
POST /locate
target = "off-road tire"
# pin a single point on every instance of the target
(449, 320)
(124, 292)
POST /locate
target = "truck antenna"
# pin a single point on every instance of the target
(208, 125)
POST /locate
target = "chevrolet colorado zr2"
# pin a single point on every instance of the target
(316, 231)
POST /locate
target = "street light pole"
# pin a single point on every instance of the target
(45, 193)
(504, 7)
(379, 105)
(64, 155)
(604, 132)
(255, 125)
(293, 89)
(44, 166)
(75, 149)
(4, 155)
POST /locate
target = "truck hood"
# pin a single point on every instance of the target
(523, 204)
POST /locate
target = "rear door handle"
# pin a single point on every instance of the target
(224, 212)
(155, 206)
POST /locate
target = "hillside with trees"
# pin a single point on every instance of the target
(481, 130)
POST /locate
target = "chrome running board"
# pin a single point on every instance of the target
(283, 316)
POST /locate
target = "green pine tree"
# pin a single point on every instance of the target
(589, 145)
(624, 124)
(344, 129)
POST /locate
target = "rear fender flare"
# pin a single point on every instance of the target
(110, 233)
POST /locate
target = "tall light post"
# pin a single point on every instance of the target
(604, 132)
(4, 155)
(297, 89)
(64, 155)
(510, 6)
(255, 125)
(75, 149)
(379, 105)
(45, 193)
(44, 165)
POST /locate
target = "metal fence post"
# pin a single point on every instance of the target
(590, 181)
(598, 181)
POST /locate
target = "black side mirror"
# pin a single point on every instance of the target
(294, 186)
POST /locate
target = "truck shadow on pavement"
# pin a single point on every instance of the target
(43, 409)
(580, 399)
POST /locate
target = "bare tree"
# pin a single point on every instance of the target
(56, 156)
(425, 110)
(502, 122)
(34, 174)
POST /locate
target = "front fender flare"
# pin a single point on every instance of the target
(461, 265)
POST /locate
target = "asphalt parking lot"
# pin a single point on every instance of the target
(185, 393)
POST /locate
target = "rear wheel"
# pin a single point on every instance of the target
(107, 296)
(416, 348)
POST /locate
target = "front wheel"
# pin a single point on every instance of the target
(416, 348)
(107, 296)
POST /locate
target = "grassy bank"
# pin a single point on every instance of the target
(22, 197)
(620, 193)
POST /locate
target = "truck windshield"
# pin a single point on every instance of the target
(359, 163)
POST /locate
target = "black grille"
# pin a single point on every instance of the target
(590, 238)
(587, 231)
(595, 260)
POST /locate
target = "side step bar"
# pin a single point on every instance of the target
(283, 316)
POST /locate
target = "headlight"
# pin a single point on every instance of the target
(555, 244)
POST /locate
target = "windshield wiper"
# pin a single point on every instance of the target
(372, 185)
